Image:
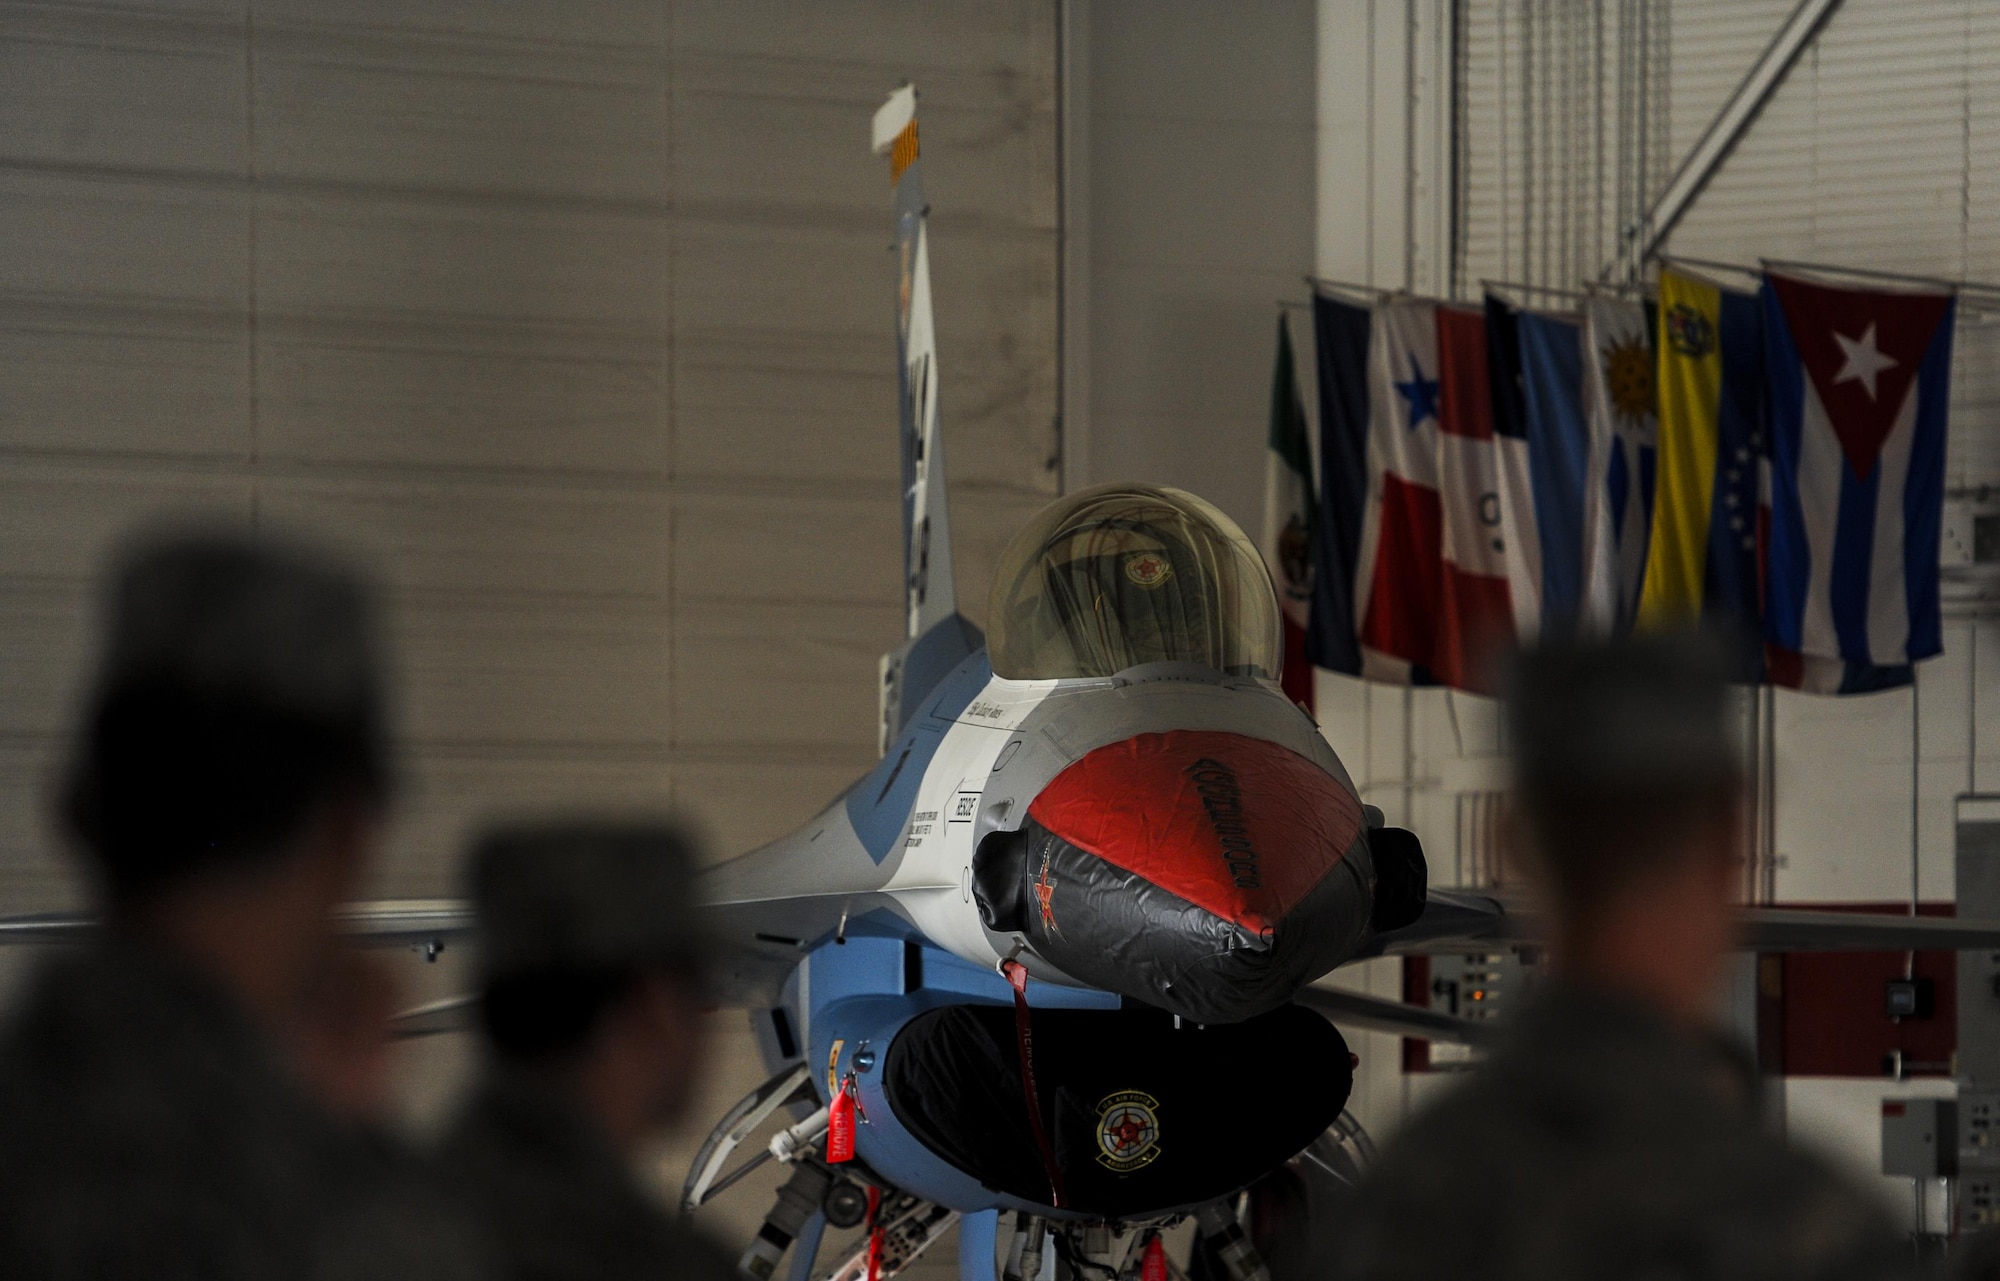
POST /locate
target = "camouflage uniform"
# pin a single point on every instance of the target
(1601, 1141)
(558, 1201)
(148, 1130)
(558, 1198)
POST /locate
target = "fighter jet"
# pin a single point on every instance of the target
(1054, 957)
(1057, 948)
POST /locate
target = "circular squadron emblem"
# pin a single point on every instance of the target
(1148, 569)
(1128, 1130)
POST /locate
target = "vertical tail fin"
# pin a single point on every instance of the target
(929, 592)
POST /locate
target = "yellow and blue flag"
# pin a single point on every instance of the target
(1711, 537)
(1702, 557)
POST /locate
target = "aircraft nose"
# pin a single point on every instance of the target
(1211, 874)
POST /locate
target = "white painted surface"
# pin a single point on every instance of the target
(1200, 170)
(1841, 1121)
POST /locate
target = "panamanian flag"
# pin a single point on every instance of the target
(1431, 588)
(1859, 381)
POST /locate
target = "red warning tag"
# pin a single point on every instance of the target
(1153, 1267)
(840, 1124)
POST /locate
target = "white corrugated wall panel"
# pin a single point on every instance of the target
(576, 316)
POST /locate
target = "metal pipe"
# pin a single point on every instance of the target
(1916, 797)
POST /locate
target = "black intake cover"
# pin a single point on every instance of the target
(1145, 1117)
(1116, 930)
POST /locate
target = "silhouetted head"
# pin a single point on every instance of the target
(1626, 760)
(590, 956)
(240, 695)
(571, 915)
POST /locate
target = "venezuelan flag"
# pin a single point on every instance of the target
(1704, 554)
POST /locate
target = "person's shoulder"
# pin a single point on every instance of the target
(405, 1215)
(1451, 1173)
(703, 1258)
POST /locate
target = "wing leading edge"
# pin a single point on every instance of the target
(1458, 921)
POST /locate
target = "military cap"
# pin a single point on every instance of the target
(239, 687)
(583, 895)
(1647, 712)
(231, 616)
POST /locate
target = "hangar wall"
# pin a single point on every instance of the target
(577, 317)
(1193, 173)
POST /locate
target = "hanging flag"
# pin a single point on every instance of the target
(1475, 621)
(1558, 459)
(1341, 344)
(1288, 516)
(1623, 419)
(1808, 675)
(1517, 490)
(1398, 580)
(1859, 381)
(1701, 561)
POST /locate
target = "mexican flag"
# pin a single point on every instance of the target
(1288, 515)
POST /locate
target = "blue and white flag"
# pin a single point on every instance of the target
(1859, 381)
(1558, 456)
(1622, 411)
(1517, 487)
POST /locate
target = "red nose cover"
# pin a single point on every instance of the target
(1237, 826)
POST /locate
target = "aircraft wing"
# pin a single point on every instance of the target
(766, 909)
(450, 1014)
(1456, 921)
(378, 923)
(1379, 1014)
(46, 927)
(1779, 929)
(1463, 921)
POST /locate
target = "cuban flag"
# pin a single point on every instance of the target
(1859, 381)
(1622, 412)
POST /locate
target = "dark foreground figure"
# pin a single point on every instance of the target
(1613, 1133)
(158, 1116)
(592, 999)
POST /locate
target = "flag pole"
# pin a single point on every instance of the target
(1522, 287)
(1707, 264)
(1895, 277)
(1616, 288)
(1373, 293)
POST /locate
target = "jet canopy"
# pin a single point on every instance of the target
(1119, 575)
